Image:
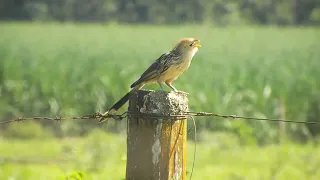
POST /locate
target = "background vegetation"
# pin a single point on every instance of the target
(283, 12)
(71, 69)
(76, 57)
(103, 156)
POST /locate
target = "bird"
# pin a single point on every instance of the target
(167, 68)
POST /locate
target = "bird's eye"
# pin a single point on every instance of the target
(191, 44)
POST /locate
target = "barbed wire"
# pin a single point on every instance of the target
(183, 115)
(96, 115)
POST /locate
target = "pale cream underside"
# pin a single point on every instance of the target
(176, 70)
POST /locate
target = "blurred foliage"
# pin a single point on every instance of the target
(29, 130)
(284, 12)
(72, 70)
(74, 176)
(220, 140)
(75, 157)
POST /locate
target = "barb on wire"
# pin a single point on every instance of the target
(183, 115)
(95, 116)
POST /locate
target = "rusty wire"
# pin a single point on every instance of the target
(96, 115)
(183, 115)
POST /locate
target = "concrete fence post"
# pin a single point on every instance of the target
(156, 146)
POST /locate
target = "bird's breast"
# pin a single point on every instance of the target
(174, 71)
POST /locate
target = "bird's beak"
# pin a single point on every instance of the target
(196, 43)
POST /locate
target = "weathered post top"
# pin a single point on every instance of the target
(156, 146)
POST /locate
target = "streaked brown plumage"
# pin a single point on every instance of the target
(167, 68)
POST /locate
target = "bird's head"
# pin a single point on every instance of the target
(187, 45)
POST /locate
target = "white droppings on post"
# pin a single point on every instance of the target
(156, 147)
(177, 168)
(156, 150)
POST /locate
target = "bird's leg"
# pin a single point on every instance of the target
(160, 84)
(170, 85)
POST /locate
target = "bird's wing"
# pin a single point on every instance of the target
(156, 68)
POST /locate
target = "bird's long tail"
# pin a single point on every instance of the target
(121, 102)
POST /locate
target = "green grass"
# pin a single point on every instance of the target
(69, 69)
(103, 156)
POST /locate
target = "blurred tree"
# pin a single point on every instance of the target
(303, 10)
(13, 9)
(284, 12)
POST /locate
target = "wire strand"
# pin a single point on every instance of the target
(183, 115)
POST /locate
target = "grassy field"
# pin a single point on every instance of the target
(76, 69)
(103, 156)
(69, 69)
